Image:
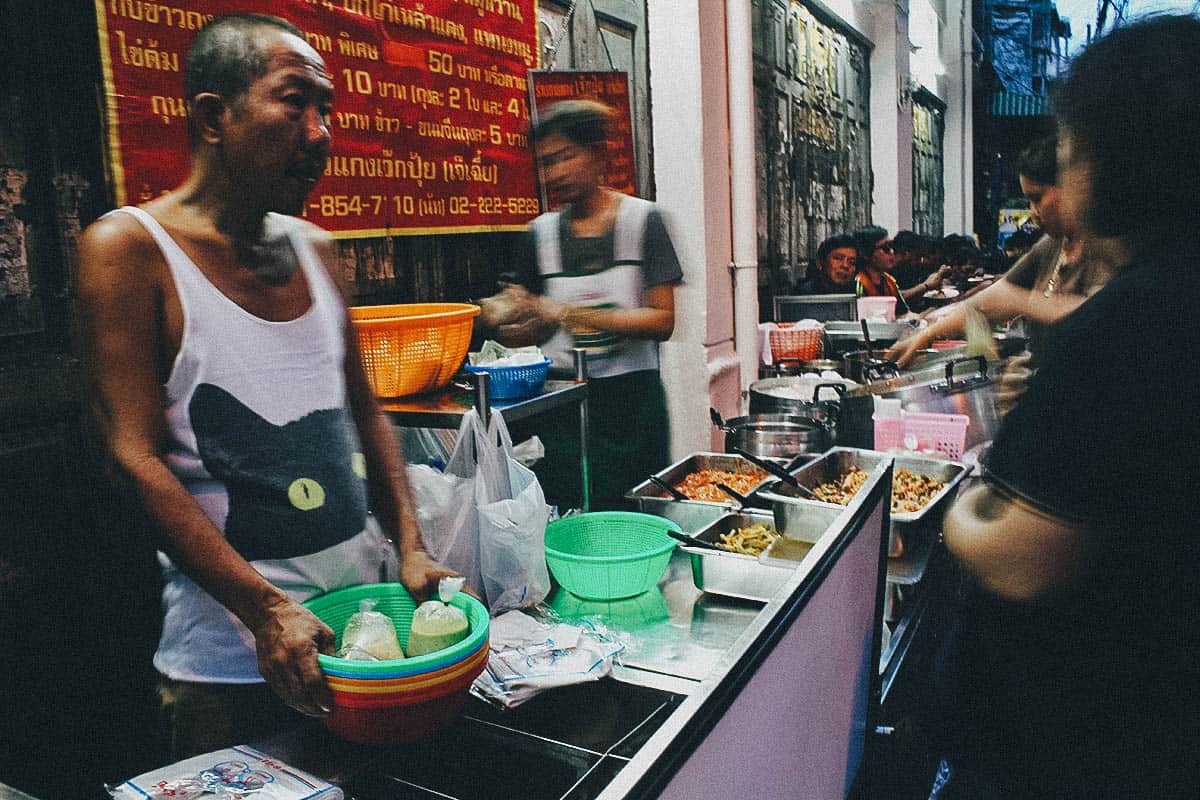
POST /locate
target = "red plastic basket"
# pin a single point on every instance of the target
(789, 342)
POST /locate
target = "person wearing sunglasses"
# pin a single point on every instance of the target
(876, 260)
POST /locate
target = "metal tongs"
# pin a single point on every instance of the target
(668, 488)
(741, 499)
(776, 470)
(694, 542)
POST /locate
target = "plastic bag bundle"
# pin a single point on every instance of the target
(437, 624)
(494, 354)
(516, 314)
(485, 516)
(369, 636)
(235, 772)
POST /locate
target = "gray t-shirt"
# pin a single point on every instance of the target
(1035, 267)
(588, 254)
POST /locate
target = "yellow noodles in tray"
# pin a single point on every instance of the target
(749, 541)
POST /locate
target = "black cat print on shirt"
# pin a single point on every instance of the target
(294, 489)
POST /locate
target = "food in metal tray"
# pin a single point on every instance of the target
(910, 491)
(702, 485)
(750, 540)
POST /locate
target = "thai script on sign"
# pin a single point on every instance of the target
(430, 119)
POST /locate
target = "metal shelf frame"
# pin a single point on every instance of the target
(445, 409)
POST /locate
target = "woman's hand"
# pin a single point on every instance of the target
(905, 350)
(1014, 380)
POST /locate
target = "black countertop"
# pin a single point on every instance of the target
(544, 749)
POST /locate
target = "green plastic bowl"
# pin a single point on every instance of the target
(607, 555)
(336, 607)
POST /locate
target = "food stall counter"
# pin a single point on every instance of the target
(660, 725)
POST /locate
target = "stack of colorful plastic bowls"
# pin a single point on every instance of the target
(381, 702)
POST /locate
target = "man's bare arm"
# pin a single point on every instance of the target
(387, 476)
(120, 335)
(655, 320)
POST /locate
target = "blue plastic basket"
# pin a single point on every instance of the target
(513, 383)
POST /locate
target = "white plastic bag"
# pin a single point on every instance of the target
(486, 516)
(512, 523)
(446, 508)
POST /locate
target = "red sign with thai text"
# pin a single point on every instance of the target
(430, 121)
(547, 87)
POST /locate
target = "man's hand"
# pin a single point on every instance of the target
(420, 574)
(936, 277)
(288, 640)
(518, 318)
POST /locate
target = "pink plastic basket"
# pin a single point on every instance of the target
(946, 433)
(877, 307)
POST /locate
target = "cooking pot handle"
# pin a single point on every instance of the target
(715, 416)
(837, 387)
(950, 384)
(881, 371)
(781, 361)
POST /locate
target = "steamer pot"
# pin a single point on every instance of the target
(774, 435)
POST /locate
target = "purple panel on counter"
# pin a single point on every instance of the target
(799, 726)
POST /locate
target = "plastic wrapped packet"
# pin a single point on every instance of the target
(234, 772)
(437, 624)
(369, 636)
(494, 354)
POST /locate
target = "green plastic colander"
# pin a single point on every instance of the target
(606, 555)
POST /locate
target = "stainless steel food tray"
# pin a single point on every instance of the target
(744, 576)
(837, 461)
(907, 529)
(652, 499)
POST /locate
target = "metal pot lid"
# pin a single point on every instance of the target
(799, 387)
(967, 373)
(790, 423)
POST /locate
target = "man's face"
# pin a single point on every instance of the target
(570, 170)
(883, 257)
(841, 265)
(1045, 200)
(277, 138)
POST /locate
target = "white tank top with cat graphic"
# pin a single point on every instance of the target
(260, 434)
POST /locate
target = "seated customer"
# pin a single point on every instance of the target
(1018, 244)
(876, 260)
(837, 263)
(911, 262)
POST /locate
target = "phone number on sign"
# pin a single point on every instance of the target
(353, 205)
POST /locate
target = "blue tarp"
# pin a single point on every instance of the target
(1012, 53)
